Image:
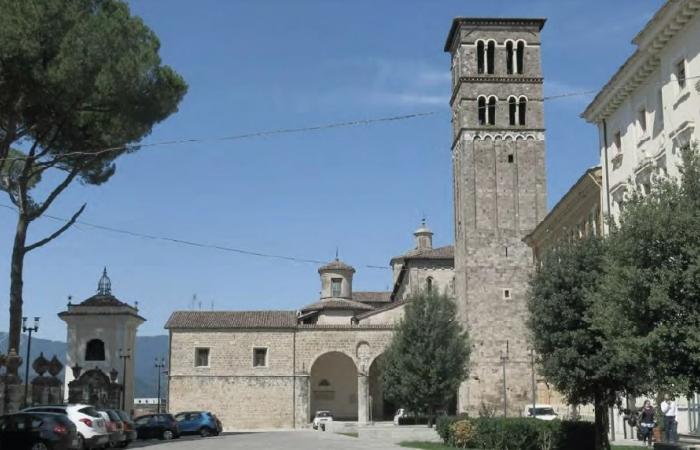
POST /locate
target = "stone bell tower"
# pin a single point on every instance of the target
(498, 153)
(101, 349)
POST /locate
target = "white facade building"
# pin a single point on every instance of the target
(102, 337)
(651, 106)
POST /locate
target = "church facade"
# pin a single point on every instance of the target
(264, 369)
(274, 369)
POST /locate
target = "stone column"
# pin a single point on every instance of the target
(362, 398)
(302, 402)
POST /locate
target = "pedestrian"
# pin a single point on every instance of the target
(670, 410)
(646, 423)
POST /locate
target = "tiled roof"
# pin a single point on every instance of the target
(372, 297)
(380, 310)
(232, 319)
(447, 252)
(337, 303)
(103, 300)
(336, 265)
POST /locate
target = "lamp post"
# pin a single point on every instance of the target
(160, 364)
(124, 355)
(534, 386)
(29, 330)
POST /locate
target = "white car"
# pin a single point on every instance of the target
(541, 412)
(92, 432)
(401, 412)
(321, 419)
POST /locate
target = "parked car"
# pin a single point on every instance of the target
(92, 432)
(203, 423)
(160, 426)
(115, 428)
(322, 419)
(541, 412)
(37, 431)
(129, 427)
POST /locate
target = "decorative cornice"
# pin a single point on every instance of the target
(490, 22)
(470, 134)
(663, 27)
(516, 79)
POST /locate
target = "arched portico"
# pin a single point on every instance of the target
(380, 408)
(334, 386)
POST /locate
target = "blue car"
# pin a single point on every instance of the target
(198, 422)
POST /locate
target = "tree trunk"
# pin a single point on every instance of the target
(601, 424)
(16, 283)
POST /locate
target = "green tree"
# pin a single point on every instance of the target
(427, 358)
(573, 354)
(649, 300)
(81, 82)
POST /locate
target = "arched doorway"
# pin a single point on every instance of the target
(382, 409)
(334, 386)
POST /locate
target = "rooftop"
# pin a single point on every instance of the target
(491, 21)
(447, 252)
(231, 319)
(337, 304)
(336, 265)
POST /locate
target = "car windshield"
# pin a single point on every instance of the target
(543, 412)
(323, 414)
(114, 417)
(90, 411)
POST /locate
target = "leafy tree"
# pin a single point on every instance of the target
(573, 354)
(81, 82)
(649, 300)
(427, 358)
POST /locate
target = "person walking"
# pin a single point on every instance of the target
(646, 423)
(670, 410)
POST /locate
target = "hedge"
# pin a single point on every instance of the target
(521, 433)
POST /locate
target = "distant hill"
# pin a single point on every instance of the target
(148, 348)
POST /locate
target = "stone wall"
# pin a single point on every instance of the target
(275, 396)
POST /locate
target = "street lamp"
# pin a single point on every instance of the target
(124, 355)
(30, 330)
(159, 366)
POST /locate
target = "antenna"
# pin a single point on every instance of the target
(194, 301)
(200, 305)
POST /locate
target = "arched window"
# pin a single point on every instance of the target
(429, 284)
(522, 111)
(512, 111)
(490, 57)
(482, 110)
(480, 57)
(95, 350)
(510, 57)
(520, 57)
(492, 111)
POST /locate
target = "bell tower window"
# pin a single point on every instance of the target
(482, 110)
(520, 57)
(510, 58)
(95, 350)
(490, 57)
(492, 111)
(522, 111)
(480, 57)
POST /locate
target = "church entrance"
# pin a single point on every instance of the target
(334, 386)
(381, 408)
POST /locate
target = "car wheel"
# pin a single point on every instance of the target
(39, 446)
(205, 432)
(167, 435)
(81, 442)
(124, 444)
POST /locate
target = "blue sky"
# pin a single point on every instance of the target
(255, 66)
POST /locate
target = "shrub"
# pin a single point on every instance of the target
(515, 433)
(443, 424)
(462, 433)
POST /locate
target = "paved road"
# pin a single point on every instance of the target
(287, 440)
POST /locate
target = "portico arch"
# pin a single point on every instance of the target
(334, 386)
(381, 408)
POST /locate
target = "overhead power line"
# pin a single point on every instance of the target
(251, 135)
(189, 243)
